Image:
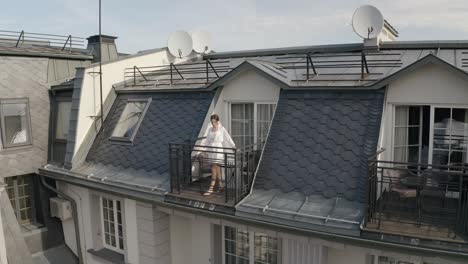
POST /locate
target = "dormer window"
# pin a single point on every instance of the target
(250, 122)
(130, 119)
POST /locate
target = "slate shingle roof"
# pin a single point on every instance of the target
(170, 118)
(319, 143)
(314, 165)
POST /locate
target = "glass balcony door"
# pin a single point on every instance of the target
(450, 136)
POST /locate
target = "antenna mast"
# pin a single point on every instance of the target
(100, 69)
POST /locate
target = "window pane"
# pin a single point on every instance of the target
(266, 249)
(441, 117)
(264, 117)
(128, 121)
(237, 245)
(242, 124)
(63, 120)
(113, 230)
(15, 123)
(121, 243)
(22, 204)
(450, 136)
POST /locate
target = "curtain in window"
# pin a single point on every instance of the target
(242, 124)
(450, 136)
(264, 117)
(63, 120)
(401, 134)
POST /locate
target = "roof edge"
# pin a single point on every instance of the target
(135, 194)
(285, 50)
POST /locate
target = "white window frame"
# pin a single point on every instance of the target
(251, 233)
(420, 126)
(116, 225)
(431, 135)
(28, 122)
(431, 123)
(30, 196)
(255, 103)
(140, 120)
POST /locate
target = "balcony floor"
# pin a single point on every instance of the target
(192, 195)
(435, 219)
(393, 227)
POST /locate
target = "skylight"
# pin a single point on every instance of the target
(130, 119)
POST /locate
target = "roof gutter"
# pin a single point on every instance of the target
(148, 197)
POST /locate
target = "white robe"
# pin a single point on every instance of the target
(219, 138)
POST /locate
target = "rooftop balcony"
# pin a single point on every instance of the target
(418, 200)
(191, 170)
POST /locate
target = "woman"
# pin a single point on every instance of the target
(217, 137)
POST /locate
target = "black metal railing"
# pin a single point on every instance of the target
(191, 170)
(20, 38)
(186, 73)
(418, 194)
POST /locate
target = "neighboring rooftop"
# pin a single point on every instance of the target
(326, 66)
(42, 45)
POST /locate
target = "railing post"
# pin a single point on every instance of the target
(171, 169)
(170, 66)
(178, 172)
(21, 36)
(226, 188)
(134, 75)
(207, 75)
(381, 194)
(66, 42)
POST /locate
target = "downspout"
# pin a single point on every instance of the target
(3, 252)
(74, 214)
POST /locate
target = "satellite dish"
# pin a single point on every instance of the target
(180, 44)
(368, 22)
(201, 41)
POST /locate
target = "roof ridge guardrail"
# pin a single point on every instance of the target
(21, 38)
(191, 73)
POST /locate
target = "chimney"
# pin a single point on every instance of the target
(388, 34)
(109, 49)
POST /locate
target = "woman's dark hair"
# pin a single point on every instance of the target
(214, 117)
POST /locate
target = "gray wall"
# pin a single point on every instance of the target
(153, 235)
(61, 69)
(30, 77)
(22, 77)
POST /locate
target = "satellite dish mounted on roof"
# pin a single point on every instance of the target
(201, 41)
(368, 22)
(180, 44)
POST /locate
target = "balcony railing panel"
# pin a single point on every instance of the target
(421, 195)
(190, 171)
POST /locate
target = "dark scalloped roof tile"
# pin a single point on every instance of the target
(170, 118)
(319, 143)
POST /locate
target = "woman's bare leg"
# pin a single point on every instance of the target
(214, 171)
(220, 178)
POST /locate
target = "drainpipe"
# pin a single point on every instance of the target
(3, 256)
(74, 214)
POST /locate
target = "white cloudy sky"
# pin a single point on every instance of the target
(234, 24)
